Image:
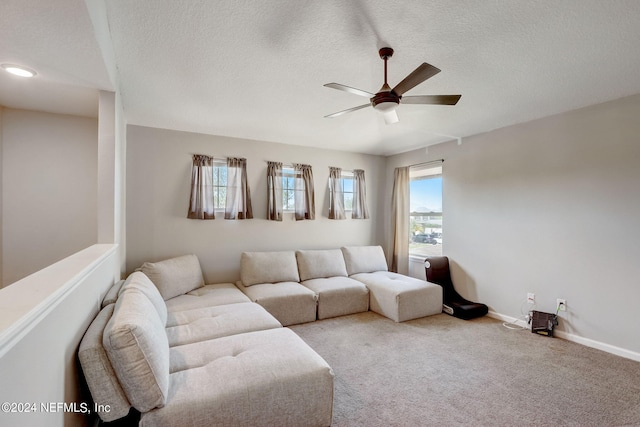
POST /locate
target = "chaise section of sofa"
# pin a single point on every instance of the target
(393, 295)
(271, 279)
(325, 273)
(260, 378)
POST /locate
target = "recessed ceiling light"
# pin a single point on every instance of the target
(19, 70)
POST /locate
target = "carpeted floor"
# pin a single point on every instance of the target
(443, 371)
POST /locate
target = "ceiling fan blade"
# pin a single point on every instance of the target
(350, 89)
(431, 99)
(417, 76)
(339, 113)
(391, 117)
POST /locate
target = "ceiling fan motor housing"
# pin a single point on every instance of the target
(385, 101)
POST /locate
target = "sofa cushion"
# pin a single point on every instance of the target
(101, 379)
(112, 294)
(175, 276)
(364, 259)
(136, 344)
(265, 378)
(207, 296)
(320, 263)
(289, 302)
(142, 283)
(201, 324)
(338, 296)
(268, 267)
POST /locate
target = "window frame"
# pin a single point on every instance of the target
(219, 200)
(344, 176)
(289, 175)
(418, 173)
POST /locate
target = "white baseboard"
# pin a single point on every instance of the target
(618, 351)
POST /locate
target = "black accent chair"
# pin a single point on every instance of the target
(437, 269)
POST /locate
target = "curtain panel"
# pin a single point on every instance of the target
(336, 197)
(359, 209)
(238, 202)
(274, 191)
(305, 205)
(400, 221)
(201, 201)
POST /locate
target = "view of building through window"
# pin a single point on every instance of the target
(425, 220)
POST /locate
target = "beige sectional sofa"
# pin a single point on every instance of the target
(184, 353)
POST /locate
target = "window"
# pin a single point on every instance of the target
(288, 189)
(425, 217)
(347, 190)
(219, 184)
(346, 184)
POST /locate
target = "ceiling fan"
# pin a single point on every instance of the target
(387, 100)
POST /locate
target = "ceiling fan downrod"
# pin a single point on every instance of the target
(385, 100)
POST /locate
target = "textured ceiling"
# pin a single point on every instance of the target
(256, 69)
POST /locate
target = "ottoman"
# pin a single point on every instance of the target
(400, 297)
(392, 295)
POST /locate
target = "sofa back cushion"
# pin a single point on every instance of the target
(112, 294)
(320, 263)
(101, 378)
(174, 276)
(268, 267)
(364, 259)
(136, 344)
(139, 281)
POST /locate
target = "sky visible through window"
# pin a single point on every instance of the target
(426, 194)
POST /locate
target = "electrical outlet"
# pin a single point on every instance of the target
(531, 298)
(561, 303)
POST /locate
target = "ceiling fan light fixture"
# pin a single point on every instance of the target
(386, 107)
(385, 101)
(18, 70)
(391, 117)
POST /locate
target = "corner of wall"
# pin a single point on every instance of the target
(121, 182)
(111, 172)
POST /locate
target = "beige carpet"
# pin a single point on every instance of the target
(443, 371)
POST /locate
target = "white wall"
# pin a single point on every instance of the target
(43, 318)
(1, 198)
(49, 189)
(158, 182)
(106, 183)
(551, 207)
